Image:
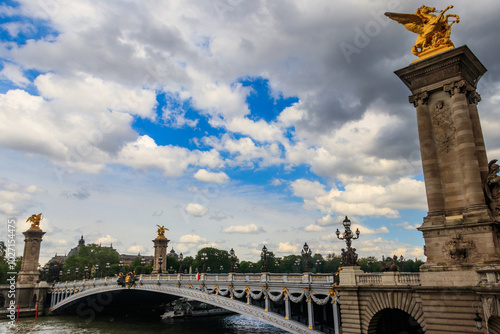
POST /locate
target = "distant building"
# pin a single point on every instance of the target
(126, 258)
(172, 253)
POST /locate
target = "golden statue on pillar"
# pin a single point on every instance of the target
(433, 30)
(35, 221)
(161, 232)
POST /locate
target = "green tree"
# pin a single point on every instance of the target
(89, 256)
(215, 258)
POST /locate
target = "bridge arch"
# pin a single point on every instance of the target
(393, 321)
(231, 304)
(379, 306)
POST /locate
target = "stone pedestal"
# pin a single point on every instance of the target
(160, 245)
(460, 232)
(29, 267)
(348, 275)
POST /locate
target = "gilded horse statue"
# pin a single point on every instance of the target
(161, 232)
(433, 30)
(35, 221)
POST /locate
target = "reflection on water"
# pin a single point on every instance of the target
(236, 324)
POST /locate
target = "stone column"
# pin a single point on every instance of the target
(310, 313)
(288, 308)
(160, 246)
(466, 146)
(29, 267)
(430, 166)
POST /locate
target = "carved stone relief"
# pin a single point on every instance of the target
(444, 129)
(457, 248)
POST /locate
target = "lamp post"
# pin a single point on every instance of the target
(349, 256)
(107, 269)
(306, 254)
(120, 264)
(143, 263)
(264, 255)
(402, 260)
(181, 258)
(170, 270)
(209, 270)
(68, 272)
(277, 264)
(297, 265)
(318, 265)
(77, 273)
(371, 260)
(60, 275)
(86, 273)
(97, 270)
(204, 259)
(221, 268)
(251, 267)
(232, 259)
(160, 262)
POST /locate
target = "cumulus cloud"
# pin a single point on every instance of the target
(408, 226)
(107, 239)
(206, 176)
(16, 198)
(361, 199)
(314, 228)
(244, 229)
(287, 248)
(195, 209)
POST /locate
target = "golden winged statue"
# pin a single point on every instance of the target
(433, 30)
(161, 232)
(35, 221)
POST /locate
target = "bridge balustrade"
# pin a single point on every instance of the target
(388, 278)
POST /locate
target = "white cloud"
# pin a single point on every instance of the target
(287, 248)
(314, 228)
(106, 240)
(407, 226)
(16, 198)
(195, 209)
(14, 74)
(362, 199)
(206, 176)
(244, 229)
(136, 249)
(191, 239)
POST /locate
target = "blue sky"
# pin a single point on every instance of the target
(235, 126)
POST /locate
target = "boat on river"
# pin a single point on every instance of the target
(184, 307)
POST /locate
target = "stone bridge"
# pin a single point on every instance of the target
(265, 297)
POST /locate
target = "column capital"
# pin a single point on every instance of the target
(458, 87)
(419, 99)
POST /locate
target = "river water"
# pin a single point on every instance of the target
(234, 324)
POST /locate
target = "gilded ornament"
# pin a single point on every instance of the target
(433, 30)
(161, 232)
(35, 221)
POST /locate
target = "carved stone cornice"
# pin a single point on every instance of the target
(431, 73)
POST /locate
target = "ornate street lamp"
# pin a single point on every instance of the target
(276, 264)
(349, 256)
(107, 269)
(77, 273)
(120, 264)
(181, 258)
(209, 270)
(402, 260)
(204, 259)
(232, 258)
(221, 268)
(86, 273)
(171, 270)
(143, 263)
(97, 270)
(68, 272)
(60, 275)
(264, 255)
(297, 265)
(306, 254)
(160, 262)
(251, 267)
(318, 265)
